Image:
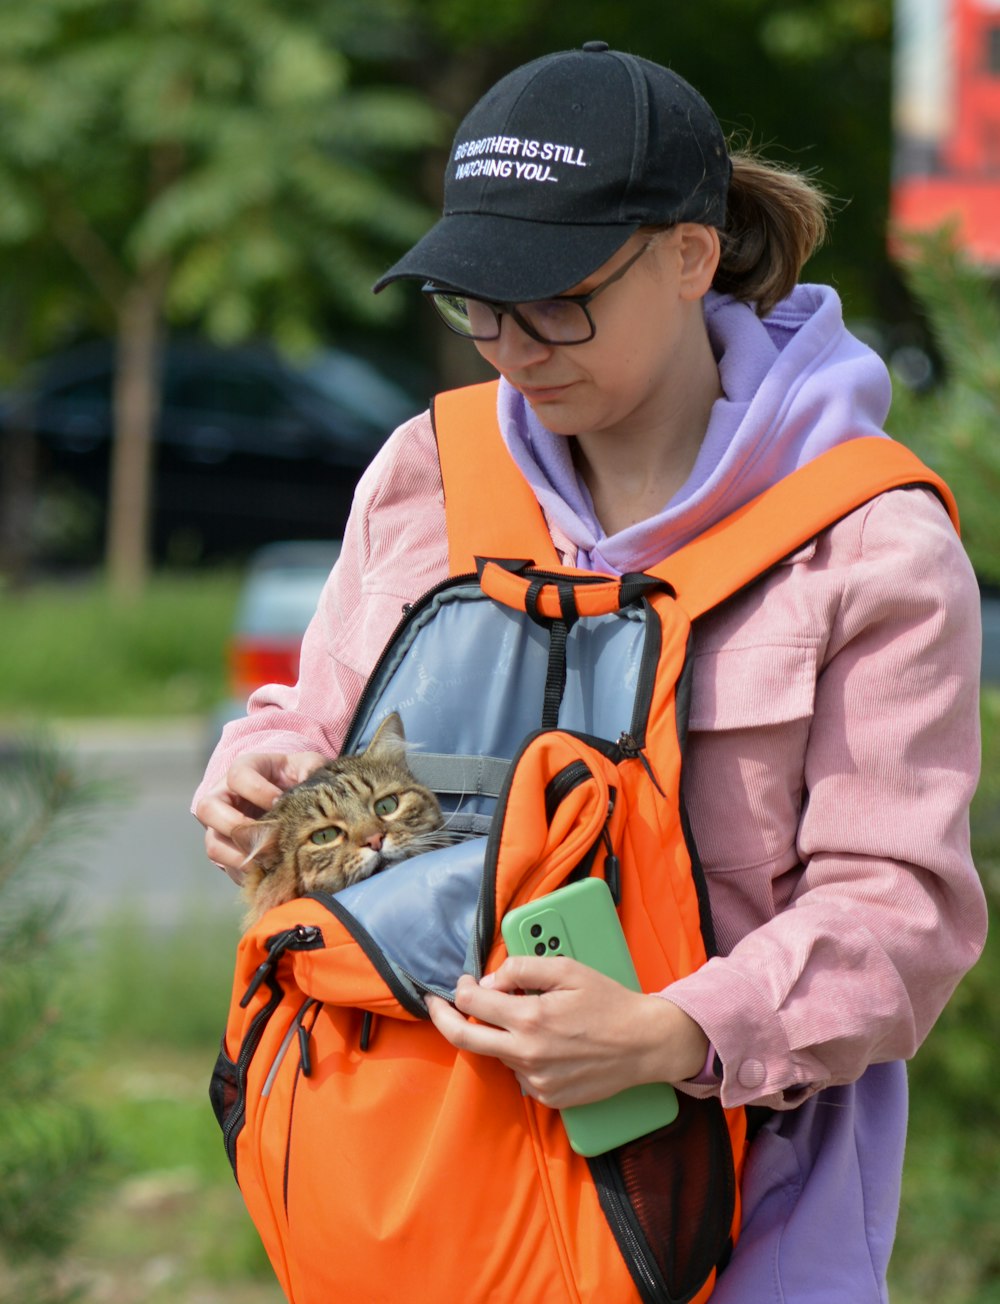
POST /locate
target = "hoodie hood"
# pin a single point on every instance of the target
(794, 385)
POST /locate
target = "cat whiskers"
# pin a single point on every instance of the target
(432, 840)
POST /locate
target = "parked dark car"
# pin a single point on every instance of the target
(249, 448)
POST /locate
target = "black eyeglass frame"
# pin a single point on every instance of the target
(498, 308)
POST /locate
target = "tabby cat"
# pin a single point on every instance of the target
(351, 818)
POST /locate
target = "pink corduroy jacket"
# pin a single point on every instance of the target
(832, 755)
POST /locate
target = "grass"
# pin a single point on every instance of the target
(74, 650)
(171, 1224)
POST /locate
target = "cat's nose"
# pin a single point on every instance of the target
(374, 841)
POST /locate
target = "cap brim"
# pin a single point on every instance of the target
(507, 259)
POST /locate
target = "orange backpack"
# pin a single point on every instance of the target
(378, 1163)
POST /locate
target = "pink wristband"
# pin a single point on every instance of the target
(711, 1071)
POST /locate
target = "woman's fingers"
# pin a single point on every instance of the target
(252, 785)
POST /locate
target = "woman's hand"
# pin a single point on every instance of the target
(570, 1035)
(252, 785)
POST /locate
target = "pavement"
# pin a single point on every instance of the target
(142, 853)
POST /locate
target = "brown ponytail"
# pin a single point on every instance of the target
(776, 218)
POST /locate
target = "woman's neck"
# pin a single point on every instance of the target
(632, 474)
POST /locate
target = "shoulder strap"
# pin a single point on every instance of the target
(492, 511)
(490, 507)
(748, 542)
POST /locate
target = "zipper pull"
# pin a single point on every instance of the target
(367, 1026)
(612, 868)
(629, 748)
(300, 938)
(306, 1058)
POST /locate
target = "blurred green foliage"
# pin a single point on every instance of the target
(279, 155)
(220, 141)
(948, 1247)
(50, 1146)
(954, 425)
(75, 650)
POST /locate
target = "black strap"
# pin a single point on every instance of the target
(531, 602)
(555, 677)
(516, 565)
(636, 585)
(558, 631)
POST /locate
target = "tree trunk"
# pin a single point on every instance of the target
(18, 489)
(136, 401)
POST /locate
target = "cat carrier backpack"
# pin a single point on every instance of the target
(547, 709)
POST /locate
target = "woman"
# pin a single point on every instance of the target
(635, 287)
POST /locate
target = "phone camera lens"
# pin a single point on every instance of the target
(554, 943)
(540, 948)
(536, 930)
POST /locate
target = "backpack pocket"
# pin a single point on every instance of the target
(670, 1199)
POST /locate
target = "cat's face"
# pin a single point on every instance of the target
(351, 818)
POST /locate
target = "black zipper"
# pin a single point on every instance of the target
(304, 937)
(570, 777)
(486, 906)
(627, 1232)
(389, 973)
(411, 611)
(562, 784)
(652, 646)
(612, 865)
(234, 1123)
(630, 748)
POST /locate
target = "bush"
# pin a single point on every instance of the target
(73, 649)
(948, 1248)
(50, 1147)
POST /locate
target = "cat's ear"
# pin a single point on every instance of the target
(389, 740)
(258, 841)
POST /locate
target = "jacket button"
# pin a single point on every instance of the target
(751, 1074)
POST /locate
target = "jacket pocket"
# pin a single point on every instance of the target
(749, 728)
(747, 687)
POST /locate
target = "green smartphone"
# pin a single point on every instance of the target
(581, 921)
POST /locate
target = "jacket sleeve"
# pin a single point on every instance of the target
(394, 549)
(872, 930)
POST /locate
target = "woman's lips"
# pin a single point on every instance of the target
(542, 393)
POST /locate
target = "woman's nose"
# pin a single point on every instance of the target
(514, 349)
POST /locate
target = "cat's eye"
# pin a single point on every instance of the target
(323, 837)
(386, 805)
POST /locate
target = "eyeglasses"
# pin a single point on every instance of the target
(564, 320)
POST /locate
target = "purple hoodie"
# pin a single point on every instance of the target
(822, 1182)
(794, 386)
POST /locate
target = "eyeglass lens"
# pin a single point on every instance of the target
(554, 321)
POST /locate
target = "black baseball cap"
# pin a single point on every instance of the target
(559, 164)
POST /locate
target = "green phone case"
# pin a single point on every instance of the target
(581, 921)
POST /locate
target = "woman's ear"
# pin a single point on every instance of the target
(700, 252)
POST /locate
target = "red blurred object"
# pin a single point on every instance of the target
(282, 586)
(253, 661)
(948, 123)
